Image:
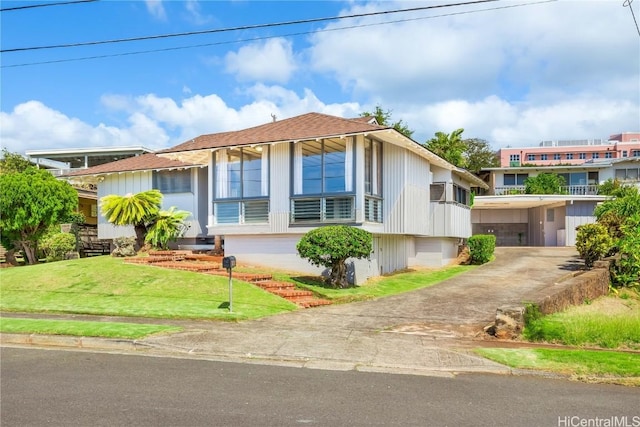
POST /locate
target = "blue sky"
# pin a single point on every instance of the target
(511, 72)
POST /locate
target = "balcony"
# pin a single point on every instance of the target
(574, 190)
(322, 209)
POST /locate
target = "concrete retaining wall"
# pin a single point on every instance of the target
(556, 297)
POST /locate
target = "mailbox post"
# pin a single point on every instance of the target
(229, 263)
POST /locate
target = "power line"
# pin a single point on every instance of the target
(627, 3)
(85, 58)
(244, 27)
(32, 6)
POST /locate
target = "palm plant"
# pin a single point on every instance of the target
(138, 210)
(167, 225)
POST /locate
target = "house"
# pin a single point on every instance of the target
(264, 187)
(573, 152)
(518, 219)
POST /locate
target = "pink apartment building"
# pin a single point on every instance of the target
(573, 152)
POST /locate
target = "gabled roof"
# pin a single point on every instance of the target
(138, 163)
(306, 126)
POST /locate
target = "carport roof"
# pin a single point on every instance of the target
(526, 201)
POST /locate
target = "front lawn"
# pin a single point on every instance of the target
(108, 286)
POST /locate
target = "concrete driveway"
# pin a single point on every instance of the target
(415, 330)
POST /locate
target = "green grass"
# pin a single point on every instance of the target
(82, 328)
(574, 361)
(107, 286)
(382, 286)
(616, 324)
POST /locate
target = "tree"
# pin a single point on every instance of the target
(384, 119)
(450, 147)
(478, 155)
(166, 226)
(32, 200)
(330, 246)
(544, 183)
(13, 162)
(137, 210)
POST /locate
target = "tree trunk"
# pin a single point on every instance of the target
(217, 244)
(141, 232)
(10, 256)
(338, 276)
(29, 252)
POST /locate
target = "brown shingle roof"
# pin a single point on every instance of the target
(137, 163)
(306, 126)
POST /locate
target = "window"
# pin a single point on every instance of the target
(551, 215)
(515, 178)
(608, 155)
(625, 153)
(582, 156)
(175, 181)
(461, 195)
(630, 174)
(241, 185)
(242, 173)
(372, 180)
(323, 179)
(323, 166)
(514, 158)
(595, 155)
(635, 153)
(531, 157)
(544, 157)
(569, 156)
(556, 156)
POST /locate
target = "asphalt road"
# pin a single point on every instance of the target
(75, 388)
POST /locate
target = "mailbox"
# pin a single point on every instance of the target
(228, 262)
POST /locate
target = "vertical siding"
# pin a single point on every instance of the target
(393, 177)
(202, 200)
(279, 187)
(536, 226)
(577, 214)
(416, 195)
(391, 252)
(359, 178)
(122, 183)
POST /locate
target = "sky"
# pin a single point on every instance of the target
(511, 72)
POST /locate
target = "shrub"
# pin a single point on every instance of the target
(481, 247)
(627, 270)
(330, 246)
(167, 226)
(57, 245)
(593, 242)
(125, 246)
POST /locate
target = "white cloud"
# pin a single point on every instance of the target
(156, 9)
(269, 61)
(194, 13)
(33, 125)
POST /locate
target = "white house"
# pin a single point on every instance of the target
(517, 219)
(264, 187)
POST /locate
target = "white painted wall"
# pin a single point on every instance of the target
(433, 252)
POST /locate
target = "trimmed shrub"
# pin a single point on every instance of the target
(57, 245)
(331, 245)
(481, 247)
(593, 242)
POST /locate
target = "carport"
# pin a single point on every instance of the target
(531, 219)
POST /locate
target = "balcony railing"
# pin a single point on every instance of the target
(241, 212)
(575, 190)
(322, 209)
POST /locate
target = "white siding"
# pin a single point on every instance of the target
(433, 252)
(450, 220)
(121, 184)
(578, 213)
(416, 195)
(393, 177)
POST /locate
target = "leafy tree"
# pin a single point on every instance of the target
(478, 155)
(13, 162)
(167, 226)
(384, 119)
(544, 183)
(32, 200)
(330, 246)
(450, 147)
(56, 246)
(138, 210)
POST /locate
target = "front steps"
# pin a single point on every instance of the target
(207, 264)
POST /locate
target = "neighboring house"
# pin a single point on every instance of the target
(264, 187)
(546, 220)
(573, 152)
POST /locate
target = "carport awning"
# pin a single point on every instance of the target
(527, 201)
